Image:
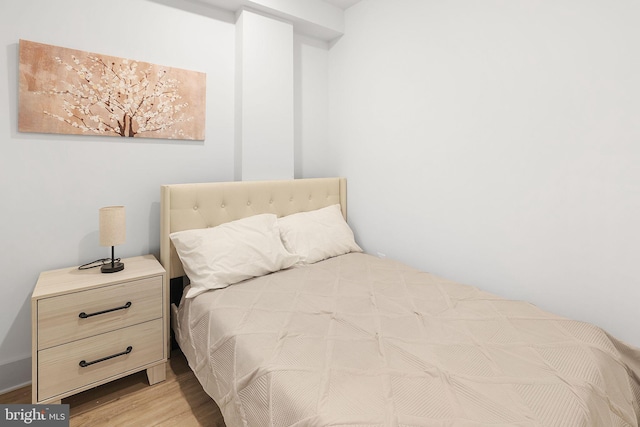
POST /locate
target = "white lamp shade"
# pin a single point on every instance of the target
(112, 226)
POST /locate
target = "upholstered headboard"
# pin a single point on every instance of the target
(188, 206)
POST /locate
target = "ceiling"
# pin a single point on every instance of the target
(342, 4)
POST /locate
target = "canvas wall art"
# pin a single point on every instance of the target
(74, 92)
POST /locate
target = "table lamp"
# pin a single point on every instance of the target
(112, 233)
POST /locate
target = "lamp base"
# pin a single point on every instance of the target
(112, 267)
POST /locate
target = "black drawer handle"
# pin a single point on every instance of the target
(84, 315)
(84, 363)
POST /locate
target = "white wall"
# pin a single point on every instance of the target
(497, 144)
(311, 106)
(52, 185)
(264, 91)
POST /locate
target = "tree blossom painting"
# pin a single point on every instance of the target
(74, 92)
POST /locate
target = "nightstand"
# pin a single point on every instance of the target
(89, 328)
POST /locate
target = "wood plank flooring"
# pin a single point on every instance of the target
(130, 401)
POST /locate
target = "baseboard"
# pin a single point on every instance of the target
(15, 374)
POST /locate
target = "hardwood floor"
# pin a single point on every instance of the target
(130, 401)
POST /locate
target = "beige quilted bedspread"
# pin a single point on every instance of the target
(360, 341)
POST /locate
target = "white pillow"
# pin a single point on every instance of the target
(217, 257)
(317, 235)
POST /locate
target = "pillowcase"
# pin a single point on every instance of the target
(317, 235)
(217, 257)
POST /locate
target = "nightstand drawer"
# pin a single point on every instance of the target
(59, 367)
(105, 309)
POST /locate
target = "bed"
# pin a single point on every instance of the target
(355, 340)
